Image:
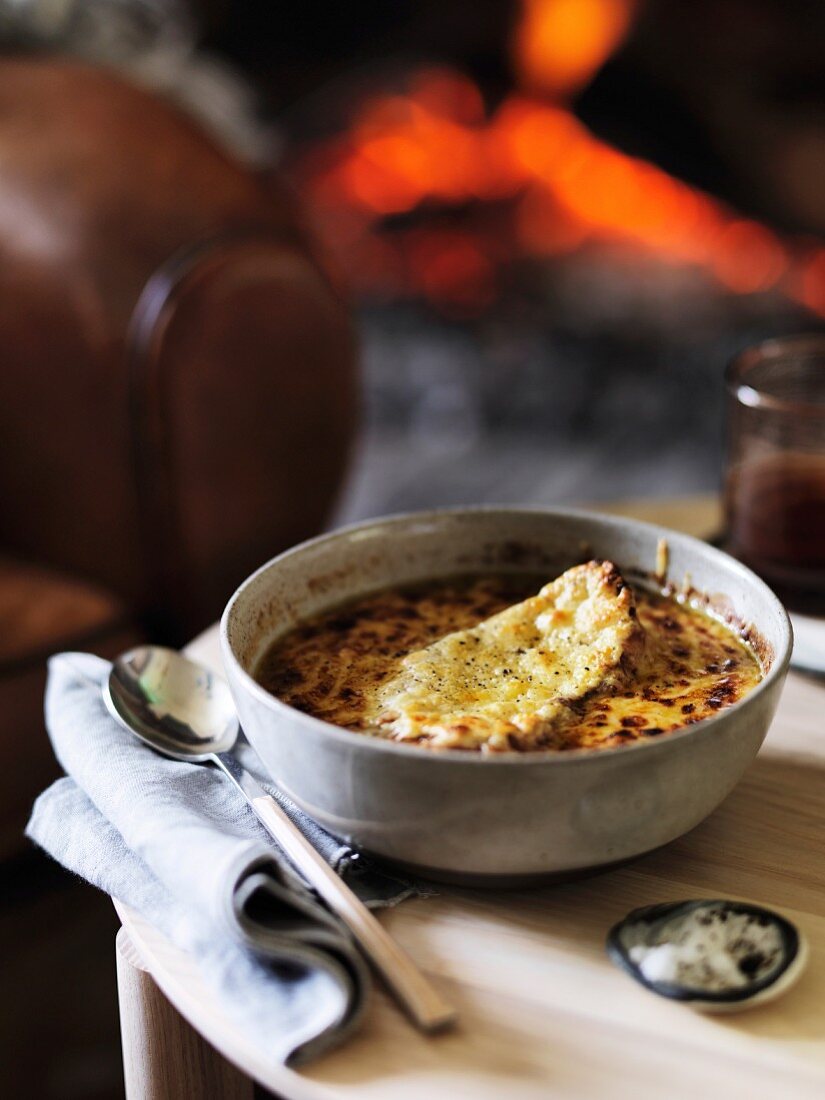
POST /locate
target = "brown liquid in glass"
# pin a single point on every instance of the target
(776, 524)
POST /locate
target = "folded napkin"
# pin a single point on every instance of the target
(178, 843)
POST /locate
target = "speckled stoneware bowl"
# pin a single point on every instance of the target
(507, 818)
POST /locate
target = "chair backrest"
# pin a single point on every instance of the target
(177, 373)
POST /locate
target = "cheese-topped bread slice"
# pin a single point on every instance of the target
(513, 681)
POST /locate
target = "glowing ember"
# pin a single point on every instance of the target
(538, 182)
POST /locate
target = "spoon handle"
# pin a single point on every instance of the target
(423, 1003)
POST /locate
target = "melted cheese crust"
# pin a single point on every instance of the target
(513, 679)
(666, 667)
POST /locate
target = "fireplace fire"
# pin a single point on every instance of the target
(432, 194)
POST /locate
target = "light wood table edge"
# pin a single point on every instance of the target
(182, 986)
(164, 1057)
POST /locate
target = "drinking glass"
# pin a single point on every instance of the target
(775, 475)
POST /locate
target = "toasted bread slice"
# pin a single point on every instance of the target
(514, 679)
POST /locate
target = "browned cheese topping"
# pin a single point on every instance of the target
(508, 662)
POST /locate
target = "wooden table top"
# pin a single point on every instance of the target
(543, 1011)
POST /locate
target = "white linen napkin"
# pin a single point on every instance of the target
(178, 843)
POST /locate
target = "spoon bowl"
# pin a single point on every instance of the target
(176, 706)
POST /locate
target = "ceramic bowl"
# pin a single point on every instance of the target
(506, 818)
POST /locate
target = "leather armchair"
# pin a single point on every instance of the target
(177, 383)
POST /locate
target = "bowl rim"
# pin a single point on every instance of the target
(547, 757)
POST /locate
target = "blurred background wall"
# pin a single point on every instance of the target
(547, 224)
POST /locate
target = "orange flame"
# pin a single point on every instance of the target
(559, 44)
(547, 183)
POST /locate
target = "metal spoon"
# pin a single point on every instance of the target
(181, 709)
